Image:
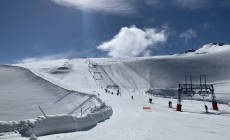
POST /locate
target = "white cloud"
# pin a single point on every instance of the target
(131, 42)
(188, 35)
(121, 7)
(131, 7)
(68, 54)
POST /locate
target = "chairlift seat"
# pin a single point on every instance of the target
(203, 93)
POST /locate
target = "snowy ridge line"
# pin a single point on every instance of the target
(38, 77)
(65, 123)
(46, 78)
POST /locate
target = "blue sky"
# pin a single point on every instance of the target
(43, 29)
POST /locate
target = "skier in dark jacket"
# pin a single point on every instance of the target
(206, 108)
(170, 104)
(150, 100)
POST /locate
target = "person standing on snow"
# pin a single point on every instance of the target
(150, 100)
(206, 108)
(170, 104)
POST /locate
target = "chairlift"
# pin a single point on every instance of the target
(203, 93)
(204, 89)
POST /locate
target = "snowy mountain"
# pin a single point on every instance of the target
(166, 72)
(28, 85)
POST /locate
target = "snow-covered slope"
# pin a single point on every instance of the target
(22, 92)
(74, 76)
(166, 72)
(136, 75)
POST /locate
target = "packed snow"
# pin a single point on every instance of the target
(129, 119)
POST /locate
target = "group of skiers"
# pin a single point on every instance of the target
(150, 99)
(205, 106)
(108, 91)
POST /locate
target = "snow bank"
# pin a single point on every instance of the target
(210, 48)
(8, 126)
(65, 123)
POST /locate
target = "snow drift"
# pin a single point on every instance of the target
(23, 92)
(65, 123)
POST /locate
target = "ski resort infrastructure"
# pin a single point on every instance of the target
(108, 98)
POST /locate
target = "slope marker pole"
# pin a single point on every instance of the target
(42, 111)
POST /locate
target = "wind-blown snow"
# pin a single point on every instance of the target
(213, 48)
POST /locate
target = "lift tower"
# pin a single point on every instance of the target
(189, 90)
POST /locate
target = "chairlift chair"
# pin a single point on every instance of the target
(203, 93)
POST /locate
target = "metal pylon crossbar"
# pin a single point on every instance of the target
(202, 89)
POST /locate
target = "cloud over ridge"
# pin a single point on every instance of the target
(131, 42)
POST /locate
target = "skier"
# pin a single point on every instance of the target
(206, 108)
(118, 92)
(131, 97)
(170, 104)
(150, 100)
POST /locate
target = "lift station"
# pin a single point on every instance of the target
(189, 90)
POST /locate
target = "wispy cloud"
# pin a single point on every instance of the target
(130, 42)
(193, 4)
(121, 7)
(188, 35)
(158, 3)
(153, 2)
(130, 7)
(65, 55)
(188, 4)
(68, 54)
